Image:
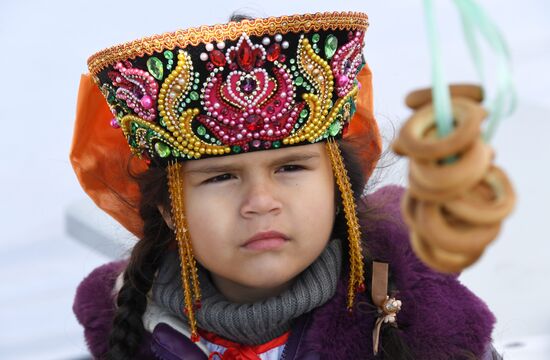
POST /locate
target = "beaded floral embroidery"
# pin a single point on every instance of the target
(228, 97)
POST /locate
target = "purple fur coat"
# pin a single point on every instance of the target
(440, 318)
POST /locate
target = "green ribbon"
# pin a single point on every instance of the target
(475, 23)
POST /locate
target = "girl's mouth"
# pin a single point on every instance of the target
(268, 240)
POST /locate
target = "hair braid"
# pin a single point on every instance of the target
(128, 331)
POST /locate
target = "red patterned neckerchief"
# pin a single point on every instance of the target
(236, 351)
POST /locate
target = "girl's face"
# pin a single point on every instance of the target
(259, 219)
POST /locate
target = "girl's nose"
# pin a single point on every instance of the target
(260, 199)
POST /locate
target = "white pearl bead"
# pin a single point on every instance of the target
(278, 37)
(266, 41)
(220, 45)
(209, 47)
(204, 56)
(285, 44)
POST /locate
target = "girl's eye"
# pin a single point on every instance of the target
(290, 168)
(219, 178)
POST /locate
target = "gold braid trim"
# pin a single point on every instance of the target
(357, 275)
(189, 275)
(230, 31)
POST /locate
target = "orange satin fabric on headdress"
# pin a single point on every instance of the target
(363, 128)
(100, 155)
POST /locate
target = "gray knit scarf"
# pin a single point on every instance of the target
(254, 323)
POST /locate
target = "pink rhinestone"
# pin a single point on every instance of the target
(342, 80)
(114, 123)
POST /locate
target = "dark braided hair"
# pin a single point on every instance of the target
(127, 331)
(394, 347)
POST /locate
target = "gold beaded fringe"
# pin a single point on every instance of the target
(192, 295)
(356, 275)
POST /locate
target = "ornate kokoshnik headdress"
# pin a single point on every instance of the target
(221, 90)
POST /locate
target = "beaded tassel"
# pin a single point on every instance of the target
(356, 276)
(189, 275)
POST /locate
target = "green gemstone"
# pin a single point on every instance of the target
(201, 130)
(195, 87)
(331, 44)
(176, 153)
(334, 128)
(308, 88)
(293, 68)
(207, 136)
(194, 95)
(236, 149)
(197, 80)
(317, 51)
(168, 54)
(162, 149)
(134, 126)
(154, 65)
(276, 144)
(315, 38)
(304, 113)
(292, 61)
(296, 73)
(162, 122)
(188, 100)
(299, 80)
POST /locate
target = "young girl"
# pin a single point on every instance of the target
(250, 144)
